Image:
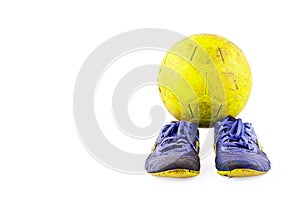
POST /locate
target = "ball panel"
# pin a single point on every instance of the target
(235, 106)
(170, 101)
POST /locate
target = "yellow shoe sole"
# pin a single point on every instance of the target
(176, 173)
(241, 173)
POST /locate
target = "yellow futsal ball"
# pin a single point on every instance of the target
(203, 78)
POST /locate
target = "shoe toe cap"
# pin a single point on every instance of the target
(158, 163)
(228, 162)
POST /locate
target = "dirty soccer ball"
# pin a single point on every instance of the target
(204, 78)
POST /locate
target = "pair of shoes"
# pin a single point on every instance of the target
(238, 153)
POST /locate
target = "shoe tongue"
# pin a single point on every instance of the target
(180, 129)
(239, 136)
(240, 127)
(236, 129)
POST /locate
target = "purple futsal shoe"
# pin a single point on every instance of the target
(175, 153)
(238, 152)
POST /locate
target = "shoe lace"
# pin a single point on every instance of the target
(179, 131)
(234, 133)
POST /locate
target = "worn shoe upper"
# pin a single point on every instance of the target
(175, 148)
(237, 146)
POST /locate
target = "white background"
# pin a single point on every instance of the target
(42, 47)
